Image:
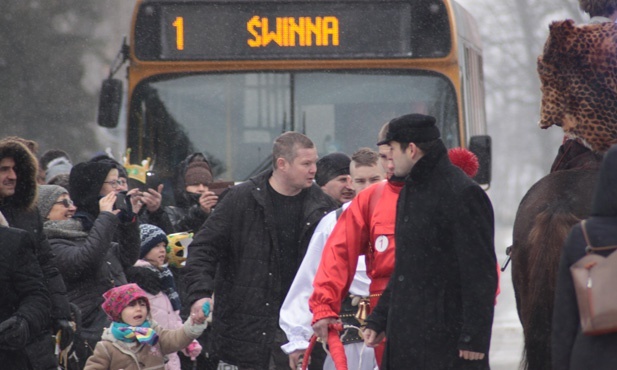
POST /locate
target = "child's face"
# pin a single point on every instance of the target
(135, 313)
(156, 256)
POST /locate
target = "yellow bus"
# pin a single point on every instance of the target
(226, 77)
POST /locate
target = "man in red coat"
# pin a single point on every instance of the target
(365, 228)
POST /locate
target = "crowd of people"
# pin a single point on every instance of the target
(274, 261)
(391, 250)
(101, 286)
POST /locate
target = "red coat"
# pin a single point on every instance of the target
(365, 228)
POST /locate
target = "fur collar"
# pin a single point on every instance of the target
(26, 168)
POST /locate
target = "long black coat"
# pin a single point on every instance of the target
(240, 236)
(22, 291)
(571, 349)
(441, 295)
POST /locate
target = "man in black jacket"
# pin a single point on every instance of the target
(24, 302)
(437, 311)
(258, 235)
(18, 187)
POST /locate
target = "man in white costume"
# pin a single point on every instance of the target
(295, 316)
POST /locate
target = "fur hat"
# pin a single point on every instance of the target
(56, 167)
(48, 195)
(198, 173)
(117, 298)
(411, 128)
(331, 166)
(150, 236)
(85, 183)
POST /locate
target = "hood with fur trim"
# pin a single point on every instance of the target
(26, 168)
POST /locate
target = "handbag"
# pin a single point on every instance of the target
(594, 277)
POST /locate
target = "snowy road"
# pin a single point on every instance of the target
(507, 338)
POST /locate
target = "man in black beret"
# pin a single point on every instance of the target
(437, 311)
(333, 177)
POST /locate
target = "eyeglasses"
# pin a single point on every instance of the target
(65, 202)
(115, 183)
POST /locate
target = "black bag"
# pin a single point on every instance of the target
(84, 341)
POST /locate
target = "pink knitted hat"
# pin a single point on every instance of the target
(116, 299)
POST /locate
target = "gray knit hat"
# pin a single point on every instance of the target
(150, 236)
(47, 196)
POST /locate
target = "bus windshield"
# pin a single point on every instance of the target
(233, 118)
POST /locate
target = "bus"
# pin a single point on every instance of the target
(225, 77)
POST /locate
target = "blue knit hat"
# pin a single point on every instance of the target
(150, 236)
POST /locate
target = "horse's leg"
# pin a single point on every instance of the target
(545, 241)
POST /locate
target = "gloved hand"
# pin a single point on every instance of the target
(65, 331)
(14, 333)
(193, 350)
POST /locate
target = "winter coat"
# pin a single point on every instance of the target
(440, 298)
(22, 291)
(571, 349)
(21, 212)
(112, 354)
(91, 263)
(241, 239)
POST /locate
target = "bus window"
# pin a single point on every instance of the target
(233, 118)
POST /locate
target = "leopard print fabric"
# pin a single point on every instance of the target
(578, 75)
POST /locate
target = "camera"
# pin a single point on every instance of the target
(218, 187)
(122, 201)
(152, 180)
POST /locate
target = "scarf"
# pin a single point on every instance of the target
(70, 229)
(141, 334)
(168, 285)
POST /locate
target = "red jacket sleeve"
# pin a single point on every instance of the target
(337, 268)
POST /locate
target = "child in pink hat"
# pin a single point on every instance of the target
(134, 341)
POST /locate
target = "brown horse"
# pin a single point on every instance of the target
(547, 212)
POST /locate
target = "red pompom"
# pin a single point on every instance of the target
(465, 160)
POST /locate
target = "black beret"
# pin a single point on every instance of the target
(411, 128)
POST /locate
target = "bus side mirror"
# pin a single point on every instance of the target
(110, 102)
(480, 145)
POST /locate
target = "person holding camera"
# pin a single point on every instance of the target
(90, 261)
(194, 199)
(147, 202)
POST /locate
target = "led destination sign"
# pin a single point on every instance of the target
(299, 30)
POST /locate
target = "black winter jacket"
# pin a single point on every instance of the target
(440, 298)
(91, 263)
(21, 212)
(240, 238)
(22, 292)
(571, 349)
